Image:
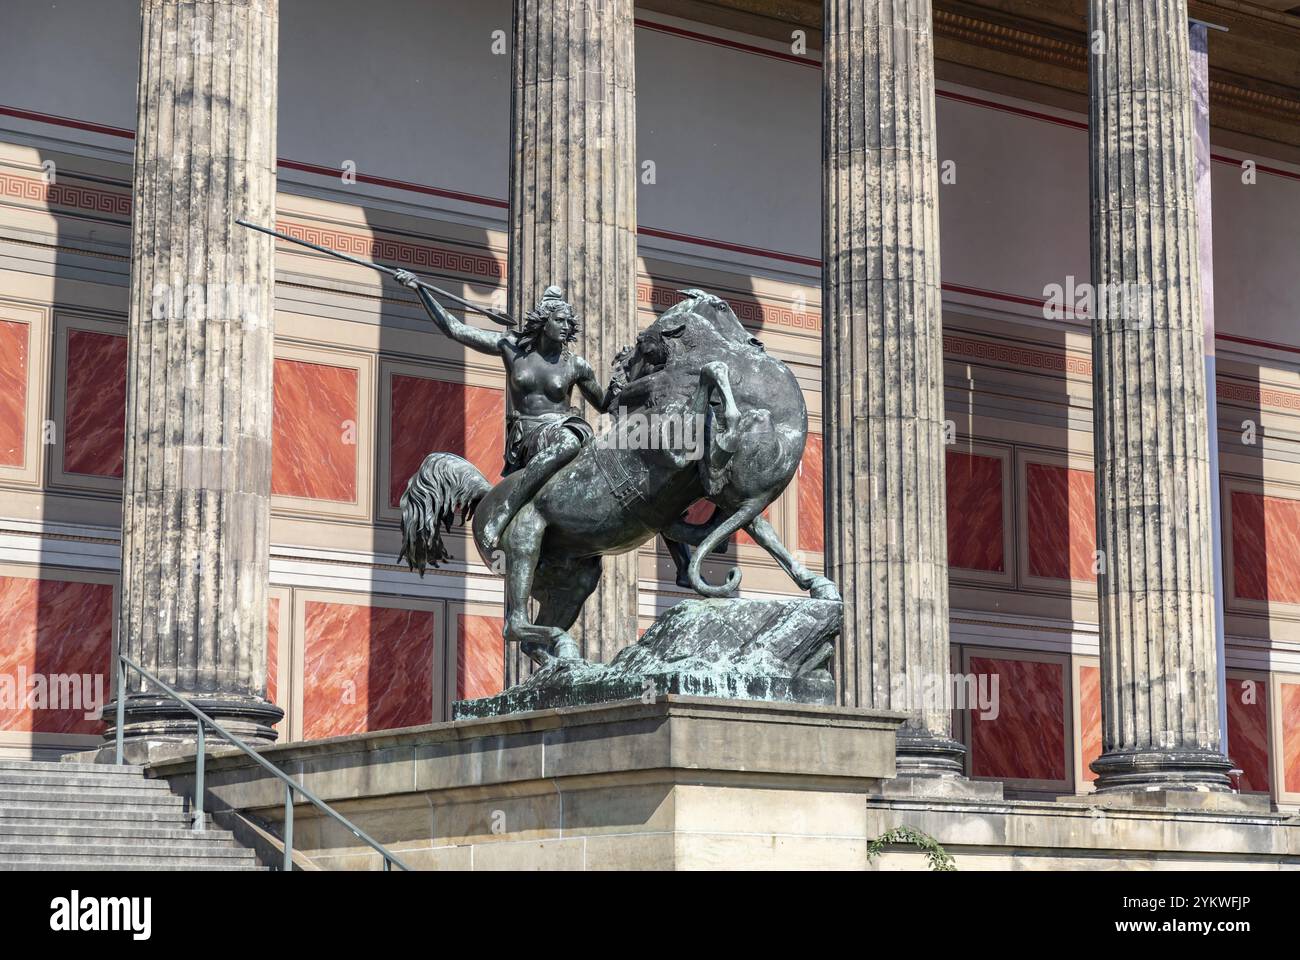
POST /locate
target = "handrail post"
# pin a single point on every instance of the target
(198, 779)
(288, 827)
(121, 705)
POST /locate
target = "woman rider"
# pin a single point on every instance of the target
(543, 430)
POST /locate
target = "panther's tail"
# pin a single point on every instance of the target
(444, 486)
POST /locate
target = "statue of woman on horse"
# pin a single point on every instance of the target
(566, 503)
(543, 430)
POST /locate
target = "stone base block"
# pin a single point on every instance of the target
(694, 783)
(680, 783)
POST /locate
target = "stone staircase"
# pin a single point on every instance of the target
(77, 816)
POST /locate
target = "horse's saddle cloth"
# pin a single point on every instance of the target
(628, 478)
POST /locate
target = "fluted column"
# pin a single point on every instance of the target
(573, 212)
(882, 394)
(1160, 716)
(195, 512)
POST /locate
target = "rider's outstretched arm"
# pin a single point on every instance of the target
(485, 341)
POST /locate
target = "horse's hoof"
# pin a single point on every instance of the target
(823, 589)
(566, 648)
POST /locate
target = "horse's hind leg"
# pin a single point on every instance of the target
(523, 545)
(567, 588)
(764, 535)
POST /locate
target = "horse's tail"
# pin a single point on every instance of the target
(741, 518)
(444, 486)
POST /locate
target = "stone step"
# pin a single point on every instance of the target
(91, 813)
(95, 853)
(86, 832)
(125, 865)
(114, 796)
(77, 816)
(60, 767)
(17, 778)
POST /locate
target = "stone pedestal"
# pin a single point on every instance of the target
(690, 783)
(573, 181)
(681, 783)
(196, 493)
(1155, 591)
(882, 365)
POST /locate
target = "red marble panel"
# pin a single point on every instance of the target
(480, 656)
(812, 533)
(1062, 522)
(49, 628)
(974, 485)
(1248, 732)
(1290, 697)
(435, 415)
(13, 392)
(1026, 740)
(94, 427)
(1265, 547)
(365, 668)
(1089, 718)
(314, 439)
(272, 648)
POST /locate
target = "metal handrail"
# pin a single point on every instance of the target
(291, 785)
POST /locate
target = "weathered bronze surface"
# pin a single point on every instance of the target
(700, 411)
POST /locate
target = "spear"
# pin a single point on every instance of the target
(392, 272)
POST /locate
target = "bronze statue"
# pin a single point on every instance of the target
(568, 498)
(543, 430)
(608, 497)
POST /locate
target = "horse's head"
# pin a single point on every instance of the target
(699, 324)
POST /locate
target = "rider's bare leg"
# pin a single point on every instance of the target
(523, 548)
(531, 479)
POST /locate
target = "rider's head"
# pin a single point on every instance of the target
(554, 318)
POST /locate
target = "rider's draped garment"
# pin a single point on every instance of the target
(528, 434)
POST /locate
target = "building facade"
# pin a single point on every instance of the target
(389, 135)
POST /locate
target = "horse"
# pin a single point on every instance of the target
(695, 361)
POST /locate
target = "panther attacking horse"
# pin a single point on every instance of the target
(696, 360)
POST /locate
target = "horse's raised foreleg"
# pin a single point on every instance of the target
(765, 536)
(522, 545)
(705, 426)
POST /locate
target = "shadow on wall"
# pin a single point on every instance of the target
(62, 625)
